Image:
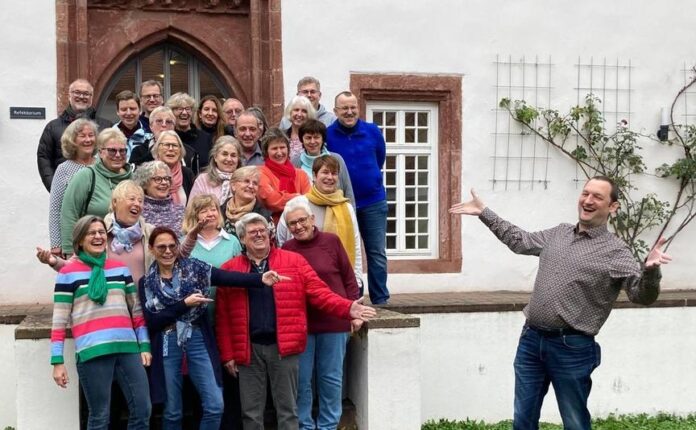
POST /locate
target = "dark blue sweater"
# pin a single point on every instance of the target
(363, 149)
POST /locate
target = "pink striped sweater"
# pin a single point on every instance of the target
(117, 326)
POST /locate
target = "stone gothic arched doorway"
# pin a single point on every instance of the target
(236, 42)
(178, 69)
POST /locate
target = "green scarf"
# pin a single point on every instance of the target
(97, 280)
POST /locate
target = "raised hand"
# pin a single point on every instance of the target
(656, 257)
(360, 311)
(473, 207)
(45, 256)
(271, 277)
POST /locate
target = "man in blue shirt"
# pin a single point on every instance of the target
(362, 147)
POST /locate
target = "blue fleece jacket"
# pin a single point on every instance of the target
(363, 149)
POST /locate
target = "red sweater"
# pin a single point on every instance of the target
(327, 257)
(232, 307)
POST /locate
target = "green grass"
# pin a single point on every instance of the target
(612, 422)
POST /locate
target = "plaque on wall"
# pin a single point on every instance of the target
(17, 112)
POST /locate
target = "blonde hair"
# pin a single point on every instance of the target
(122, 190)
(68, 146)
(108, 134)
(195, 206)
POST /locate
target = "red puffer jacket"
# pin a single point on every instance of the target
(232, 306)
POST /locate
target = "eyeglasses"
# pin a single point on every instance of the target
(347, 108)
(167, 122)
(81, 94)
(299, 221)
(309, 92)
(160, 179)
(95, 233)
(188, 109)
(169, 145)
(116, 151)
(151, 96)
(233, 111)
(164, 248)
(257, 233)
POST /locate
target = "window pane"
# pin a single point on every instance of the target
(152, 67)
(410, 178)
(390, 135)
(391, 118)
(410, 194)
(423, 194)
(390, 178)
(378, 118)
(125, 82)
(207, 83)
(422, 119)
(422, 135)
(409, 135)
(410, 119)
(178, 72)
(422, 178)
(391, 226)
(410, 162)
(410, 210)
(391, 194)
(391, 242)
(422, 226)
(422, 209)
(391, 162)
(410, 226)
(423, 242)
(410, 242)
(422, 163)
(391, 210)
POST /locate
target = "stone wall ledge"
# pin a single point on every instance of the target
(34, 320)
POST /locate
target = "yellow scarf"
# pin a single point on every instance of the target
(337, 219)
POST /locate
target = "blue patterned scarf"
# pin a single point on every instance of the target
(125, 237)
(189, 276)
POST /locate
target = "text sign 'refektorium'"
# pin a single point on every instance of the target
(27, 112)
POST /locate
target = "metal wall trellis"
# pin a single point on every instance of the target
(520, 159)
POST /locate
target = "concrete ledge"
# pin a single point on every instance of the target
(389, 319)
(509, 301)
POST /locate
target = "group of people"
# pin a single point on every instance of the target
(192, 238)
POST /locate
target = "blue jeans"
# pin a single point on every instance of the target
(372, 222)
(322, 358)
(565, 361)
(96, 376)
(202, 375)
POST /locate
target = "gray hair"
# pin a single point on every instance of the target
(219, 143)
(161, 110)
(179, 100)
(297, 203)
(68, 146)
(304, 103)
(308, 80)
(81, 228)
(121, 191)
(250, 218)
(146, 171)
(162, 135)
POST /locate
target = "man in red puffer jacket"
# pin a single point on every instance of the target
(260, 334)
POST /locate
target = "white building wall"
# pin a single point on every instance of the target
(330, 39)
(27, 78)
(466, 365)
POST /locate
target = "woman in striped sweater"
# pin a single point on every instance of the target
(97, 297)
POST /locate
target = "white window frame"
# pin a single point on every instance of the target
(401, 149)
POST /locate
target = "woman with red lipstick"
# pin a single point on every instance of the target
(224, 159)
(280, 181)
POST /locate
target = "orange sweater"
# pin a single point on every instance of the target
(272, 197)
